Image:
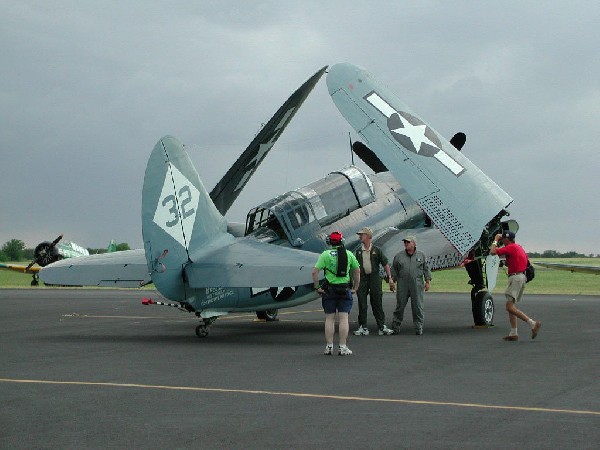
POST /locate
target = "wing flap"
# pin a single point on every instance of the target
(117, 269)
(250, 263)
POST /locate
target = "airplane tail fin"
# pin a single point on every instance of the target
(178, 216)
(112, 246)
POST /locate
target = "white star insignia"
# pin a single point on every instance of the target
(416, 133)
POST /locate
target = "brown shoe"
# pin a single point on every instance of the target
(510, 338)
(536, 329)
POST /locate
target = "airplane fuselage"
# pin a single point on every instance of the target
(345, 201)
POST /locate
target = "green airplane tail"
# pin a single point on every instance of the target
(178, 216)
(112, 246)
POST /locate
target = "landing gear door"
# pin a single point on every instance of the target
(492, 264)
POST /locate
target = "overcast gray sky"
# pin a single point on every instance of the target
(87, 88)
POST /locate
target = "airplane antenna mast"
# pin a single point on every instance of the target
(351, 152)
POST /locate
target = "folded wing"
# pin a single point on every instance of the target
(230, 186)
(453, 192)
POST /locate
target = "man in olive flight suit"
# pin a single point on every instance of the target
(370, 257)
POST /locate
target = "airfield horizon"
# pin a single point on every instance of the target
(547, 281)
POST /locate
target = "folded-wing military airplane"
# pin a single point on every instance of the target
(210, 268)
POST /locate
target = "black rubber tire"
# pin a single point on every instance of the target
(270, 315)
(483, 309)
(201, 331)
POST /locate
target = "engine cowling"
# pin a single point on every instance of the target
(46, 253)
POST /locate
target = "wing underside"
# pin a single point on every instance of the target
(440, 253)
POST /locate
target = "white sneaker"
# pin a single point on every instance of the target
(344, 351)
(385, 331)
(362, 331)
(328, 349)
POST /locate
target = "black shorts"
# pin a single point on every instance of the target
(333, 302)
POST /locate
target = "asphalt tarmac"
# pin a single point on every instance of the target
(96, 369)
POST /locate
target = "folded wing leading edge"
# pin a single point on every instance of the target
(230, 186)
(458, 197)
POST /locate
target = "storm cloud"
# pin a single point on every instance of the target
(87, 88)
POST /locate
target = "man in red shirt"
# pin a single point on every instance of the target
(516, 261)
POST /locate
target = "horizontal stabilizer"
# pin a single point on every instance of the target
(117, 269)
(250, 263)
(459, 198)
(230, 186)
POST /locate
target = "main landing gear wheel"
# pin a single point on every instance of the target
(483, 309)
(270, 315)
(202, 330)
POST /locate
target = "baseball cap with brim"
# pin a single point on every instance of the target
(366, 230)
(410, 239)
(508, 235)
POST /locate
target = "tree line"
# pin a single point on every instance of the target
(557, 254)
(15, 250)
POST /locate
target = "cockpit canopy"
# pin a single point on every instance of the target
(293, 215)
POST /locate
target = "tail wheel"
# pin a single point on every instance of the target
(202, 330)
(269, 315)
(483, 308)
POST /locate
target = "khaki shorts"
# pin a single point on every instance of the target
(516, 286)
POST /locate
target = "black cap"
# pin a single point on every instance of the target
(508, 235)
